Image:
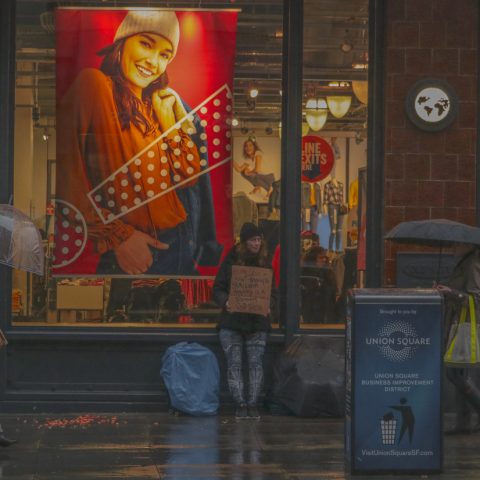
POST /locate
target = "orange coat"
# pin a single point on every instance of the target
(91, 146)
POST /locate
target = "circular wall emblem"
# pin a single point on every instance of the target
(431, 104)
(317, 158)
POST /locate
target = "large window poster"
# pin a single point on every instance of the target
(144, 107)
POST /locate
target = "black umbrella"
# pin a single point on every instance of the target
(435, 232)
(308, 377)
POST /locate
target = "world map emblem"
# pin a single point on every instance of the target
(431, 104)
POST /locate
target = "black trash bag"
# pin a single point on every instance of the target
(309, 377)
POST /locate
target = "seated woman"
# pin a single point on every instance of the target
(240, 332)
(252, 169)
(318, 287)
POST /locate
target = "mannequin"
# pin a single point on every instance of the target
(311, 205)
(332, 200)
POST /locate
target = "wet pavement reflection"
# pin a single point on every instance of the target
(167, 447)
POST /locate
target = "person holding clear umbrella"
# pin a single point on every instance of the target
(20, 248)
(464, 281)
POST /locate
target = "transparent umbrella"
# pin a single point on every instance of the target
(20, 241)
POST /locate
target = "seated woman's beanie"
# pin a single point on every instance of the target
(163, 22)
(249, 230)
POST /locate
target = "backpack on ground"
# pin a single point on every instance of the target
(192, 378)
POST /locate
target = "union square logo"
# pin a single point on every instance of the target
(397, 341)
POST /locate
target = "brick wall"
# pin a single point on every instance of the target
(429, 175)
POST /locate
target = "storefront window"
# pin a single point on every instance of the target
(334, 155)
(144, 139)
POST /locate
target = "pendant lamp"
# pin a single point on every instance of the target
(316, 113)
(360, 89)
(339, 104)
(305, 129)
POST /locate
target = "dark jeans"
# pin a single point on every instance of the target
(467, 395)
(233, 344)
(336, 221)
(176, 260)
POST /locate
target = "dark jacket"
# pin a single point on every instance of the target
(465, 277)
(240, 322)
(464, 280)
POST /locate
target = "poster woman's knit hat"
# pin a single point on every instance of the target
(161, 22)
(249, 230)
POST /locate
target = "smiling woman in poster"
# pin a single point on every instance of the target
(107, 117)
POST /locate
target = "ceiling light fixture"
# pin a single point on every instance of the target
(253, 92)
(339, 102)
(361, 63)
(316, 113)
(305, 129)
(347, 44)
(360, 66)
(346, 47)
(360, 89)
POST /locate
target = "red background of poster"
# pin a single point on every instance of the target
(204, 62)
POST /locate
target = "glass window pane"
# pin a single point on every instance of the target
(139, 181)
(334, 131)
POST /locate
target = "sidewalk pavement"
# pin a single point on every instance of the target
(162, 446)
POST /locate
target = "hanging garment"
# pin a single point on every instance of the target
(333, 193)
(245, 210)
(311, 195)
(353, 194)
(274, 197)
(196, 291)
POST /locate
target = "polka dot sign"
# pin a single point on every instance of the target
(70, 234)
(170, 162)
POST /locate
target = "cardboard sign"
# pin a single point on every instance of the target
(250, 290)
